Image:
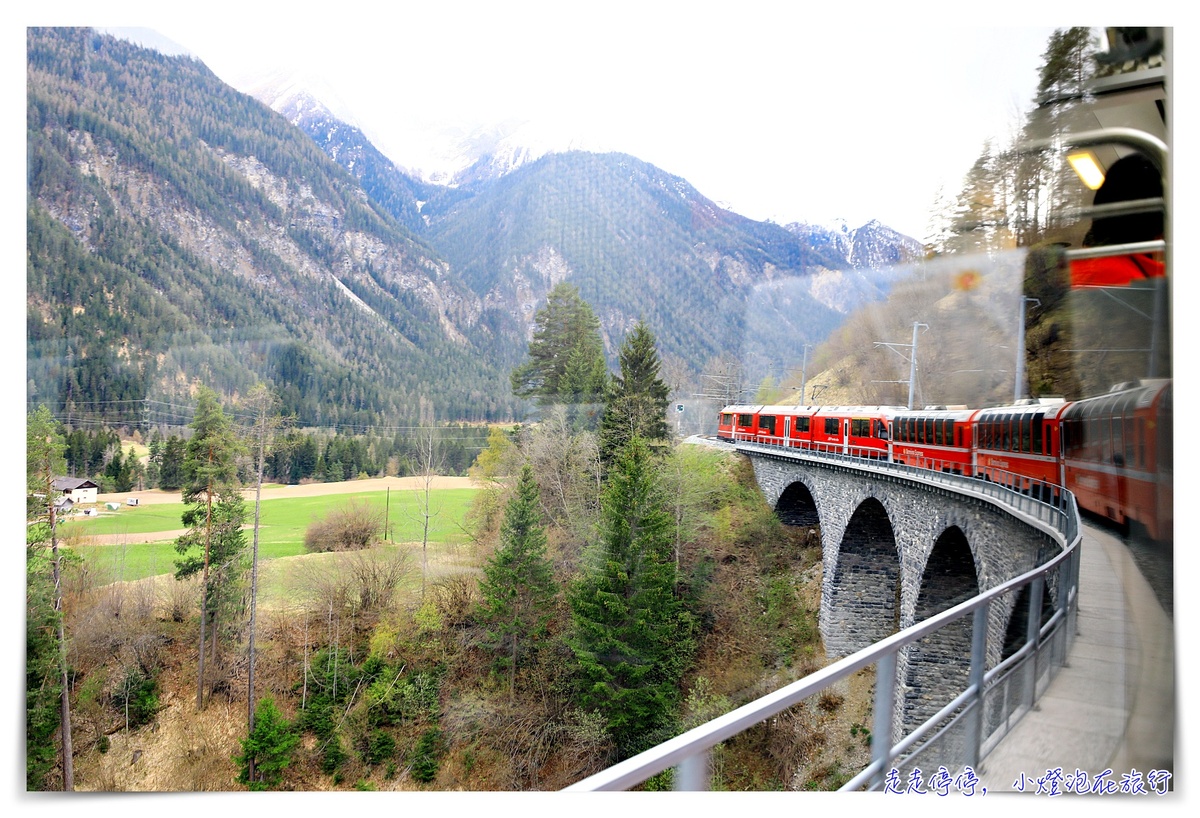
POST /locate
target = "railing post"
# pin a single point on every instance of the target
(885, 697)
(1033, 633)
(979, 631)
(691, 775)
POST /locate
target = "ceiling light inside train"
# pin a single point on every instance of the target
(1087, 169)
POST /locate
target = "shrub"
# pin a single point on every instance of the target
(268, 748)
(427, 754)
(136, 697)
(380, 747)
(349, 527)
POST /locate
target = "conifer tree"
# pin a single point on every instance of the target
(267, 751)
(636, 403)
(566, 353)
(632, 638)
(46, 668)
(518, 585)
(214, 515)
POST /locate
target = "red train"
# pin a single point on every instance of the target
(1113, 451)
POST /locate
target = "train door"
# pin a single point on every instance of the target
(845, 435)
(787, 430)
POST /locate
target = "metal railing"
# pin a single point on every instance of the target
(966, 728)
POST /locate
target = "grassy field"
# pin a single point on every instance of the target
(281, 530)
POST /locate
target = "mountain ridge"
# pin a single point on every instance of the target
(245, 248)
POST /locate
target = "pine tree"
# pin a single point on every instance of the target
(566, 338)
(46, 668)
(631, 637)
(214, 515)
(1044, 186)
(267, 751)
(636, 403)
(518, 586)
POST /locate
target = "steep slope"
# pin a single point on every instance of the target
(639, 243)
(397, 192)
(636, 240)
(180, 231)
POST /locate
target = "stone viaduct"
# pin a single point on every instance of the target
(897, 550)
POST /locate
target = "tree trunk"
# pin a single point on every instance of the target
(68, 753)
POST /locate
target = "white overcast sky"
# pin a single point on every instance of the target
(769, 110)
(776, 111)
(862, 111)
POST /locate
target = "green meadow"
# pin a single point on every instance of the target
(281, 528)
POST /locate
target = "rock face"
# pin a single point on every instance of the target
(203, 215)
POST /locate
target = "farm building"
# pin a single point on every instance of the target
(78, 489)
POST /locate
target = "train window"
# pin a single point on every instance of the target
(1036, 430)
(881, 431)
(766, 423)
(831, 426)
(1026, 424)
(726, 420)
(745, 420)
(860, 427)
(1118, 441)
(801, 425)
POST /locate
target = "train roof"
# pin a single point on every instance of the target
(1133, 393)
(956, 412)
(794, 409)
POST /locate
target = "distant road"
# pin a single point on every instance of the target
(275, 492)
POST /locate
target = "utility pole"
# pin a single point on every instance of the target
(912, 359)
(803, 374)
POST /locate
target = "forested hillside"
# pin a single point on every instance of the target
(179, 231)
(640, 244)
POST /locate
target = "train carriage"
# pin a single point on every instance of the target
(738, 422)
(1118, 458)
(938, 439)
(862, 431)
(786, 425)
(1018, 446)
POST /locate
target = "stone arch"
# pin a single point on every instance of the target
(938, 665)
(1018, 620)
(864, 591)
(797, 507)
